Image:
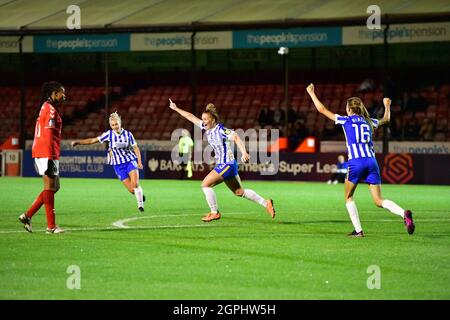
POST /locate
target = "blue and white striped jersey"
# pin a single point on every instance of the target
(358, 135)
(120, 146)
(219, 139)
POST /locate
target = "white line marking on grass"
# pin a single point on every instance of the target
(121, 224)
(116, 228)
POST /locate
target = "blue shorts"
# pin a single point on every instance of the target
(365, 169)
(227, 170)
(122, 170)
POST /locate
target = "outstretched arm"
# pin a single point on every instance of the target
(187, 115)
(319, 105)
(84, 142)
(245, 156)
(387, 112)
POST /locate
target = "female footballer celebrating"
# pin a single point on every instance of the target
(226, 166)
(123, 152)
(358, 128)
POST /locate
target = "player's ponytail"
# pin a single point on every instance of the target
(356, 106)
(212, 111)
(366, 116)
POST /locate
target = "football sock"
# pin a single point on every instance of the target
(353, 212)
(49, 202)
(211, 199)
(37, 204)
(253, 196)
(138, 192)
(393, 207)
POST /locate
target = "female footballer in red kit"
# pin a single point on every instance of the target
(46, 152)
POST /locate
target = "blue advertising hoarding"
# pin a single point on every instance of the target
(241, 39)
(82, 43)
(292, 38)
(77, 164)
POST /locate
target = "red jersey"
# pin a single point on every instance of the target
(47, 135)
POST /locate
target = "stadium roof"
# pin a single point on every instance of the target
(49, 16)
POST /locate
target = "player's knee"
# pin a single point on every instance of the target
(239, 192)
(378, 202)
(205, 185)
(348, 198)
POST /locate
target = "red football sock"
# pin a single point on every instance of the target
(49, 202)
(37, 204)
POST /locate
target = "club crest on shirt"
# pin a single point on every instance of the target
(51, 123)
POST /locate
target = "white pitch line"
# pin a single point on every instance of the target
(120, 224)
(115, 228)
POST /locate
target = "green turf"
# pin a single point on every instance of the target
(168, 253)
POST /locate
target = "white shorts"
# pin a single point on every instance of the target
(44, 166)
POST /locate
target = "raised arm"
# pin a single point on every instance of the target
(387, 112)
(84, 142)
(187, 115)
(319, 105)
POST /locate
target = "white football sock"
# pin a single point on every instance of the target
(253, 196)
(393, 207)
(353, 212)
(138, 192)
(211, 199)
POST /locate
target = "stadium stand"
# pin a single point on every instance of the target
(144, 110)
(78, 103)
(239, 104)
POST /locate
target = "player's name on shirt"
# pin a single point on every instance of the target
(358, 135)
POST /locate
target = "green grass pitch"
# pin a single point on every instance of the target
(169, 253)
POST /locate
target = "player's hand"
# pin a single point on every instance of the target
(140, 166)
(387, 102)
(245, 157)
(74, 143)
(310, 88)
(172, 105)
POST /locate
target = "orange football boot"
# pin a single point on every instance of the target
(270, 208)
(211, 216)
